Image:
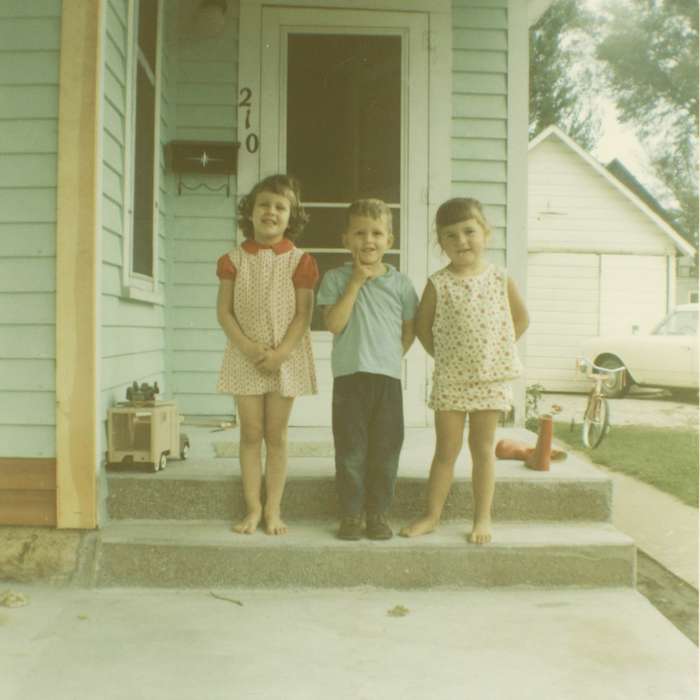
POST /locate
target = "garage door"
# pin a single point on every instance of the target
(575, 296)
(563, 301)
(633, 293)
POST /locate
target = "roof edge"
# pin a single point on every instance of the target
(553, 130)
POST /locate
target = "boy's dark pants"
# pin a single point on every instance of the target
(368, 434)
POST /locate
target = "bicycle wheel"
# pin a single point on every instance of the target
(595, 421)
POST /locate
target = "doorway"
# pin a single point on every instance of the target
(344, 104)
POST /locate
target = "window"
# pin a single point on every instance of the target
(679, 323)
(142, 147)
(693, 297)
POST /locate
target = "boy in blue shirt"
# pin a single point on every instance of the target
(369, 306)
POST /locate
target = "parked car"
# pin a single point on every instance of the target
(667, 357)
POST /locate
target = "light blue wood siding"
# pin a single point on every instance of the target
(29, 68)
(133, 333)
(205, 222)
(480, 110)
(207, 73)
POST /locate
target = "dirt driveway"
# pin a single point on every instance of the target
(641, 407)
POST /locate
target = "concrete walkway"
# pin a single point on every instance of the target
(146, 644)
(661, 525)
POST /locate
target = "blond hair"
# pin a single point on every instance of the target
(371, 208)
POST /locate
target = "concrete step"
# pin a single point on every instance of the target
(211, 490)
(208, 554)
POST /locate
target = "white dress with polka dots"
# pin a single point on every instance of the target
(264, 304)
(474, 341)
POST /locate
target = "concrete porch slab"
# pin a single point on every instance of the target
(416, 454)
(341, 644)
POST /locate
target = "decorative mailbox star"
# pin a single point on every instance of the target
(204, 159)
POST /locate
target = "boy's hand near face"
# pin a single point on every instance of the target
(361, 272)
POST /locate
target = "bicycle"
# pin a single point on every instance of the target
(596, 418)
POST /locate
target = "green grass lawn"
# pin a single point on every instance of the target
(666, 458)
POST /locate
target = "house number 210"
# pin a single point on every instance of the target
(252, 142)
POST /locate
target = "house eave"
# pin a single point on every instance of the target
(535, 10)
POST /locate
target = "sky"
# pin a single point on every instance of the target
(619, 141)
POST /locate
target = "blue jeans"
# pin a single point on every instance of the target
(368, 434)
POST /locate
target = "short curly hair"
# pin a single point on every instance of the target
(277, 184)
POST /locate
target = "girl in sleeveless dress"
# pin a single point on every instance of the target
(469, 319)
(264, 306)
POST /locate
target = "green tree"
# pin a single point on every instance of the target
(650, 51)
(562, 85)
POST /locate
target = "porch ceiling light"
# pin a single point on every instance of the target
(210, 18)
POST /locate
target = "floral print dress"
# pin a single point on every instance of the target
(264, 304)
(474, 341)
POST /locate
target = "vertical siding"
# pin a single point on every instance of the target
(29, 68)
(480, 110)
(207, 74)
(133, 332)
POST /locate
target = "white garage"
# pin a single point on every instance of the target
(600, 261)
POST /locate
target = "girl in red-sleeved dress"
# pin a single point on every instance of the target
(264, 305)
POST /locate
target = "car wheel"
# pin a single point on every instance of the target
(620, 384)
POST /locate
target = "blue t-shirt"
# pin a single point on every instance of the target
(371, 340)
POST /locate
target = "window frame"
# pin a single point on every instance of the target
(136, 285)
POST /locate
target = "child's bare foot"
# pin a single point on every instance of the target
(481, 533)
(419, 527)
(249, 524)
(274, 525)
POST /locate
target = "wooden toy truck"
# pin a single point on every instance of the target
(145, 433)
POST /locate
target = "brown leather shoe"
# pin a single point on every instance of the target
(378, 527)
(350, 528)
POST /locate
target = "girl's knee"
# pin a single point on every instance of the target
(251, 434)
(481, 450)
(447, 454)
(276, 437)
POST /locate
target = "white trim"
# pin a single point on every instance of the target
(675, 237)
(439, 114)
(158, 97)
(516, 178)
(555, 248)
(426, 27)
(671, 282)
(440, 82)
(535, 10)
(100, 441)
(431, 6)
(145, 294)
(137, 286)
(129, 144)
